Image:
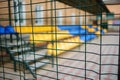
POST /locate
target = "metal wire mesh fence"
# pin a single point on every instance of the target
(58, 40)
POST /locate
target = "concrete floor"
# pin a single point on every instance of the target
(71, 69)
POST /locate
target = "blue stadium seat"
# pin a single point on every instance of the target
(90, 26)
(93, 35)
(87, 37)
(96, 29)
(9, 29)
(77, 32)
(102, 31)
(2, 30)
(68, 27)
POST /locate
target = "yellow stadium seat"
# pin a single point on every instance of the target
(97, 33)
(85, 27)
(105, 30)
(39, 38)
(91, 30)
(34, 29)
(99, 28)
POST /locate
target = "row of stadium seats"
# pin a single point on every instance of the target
(78, 27)
(62, 33)
(73, 29)
(48, 28)
(35, 29)
(67, 44)
(49, 36)
(60, 38)
(80, 35)
(57, 48)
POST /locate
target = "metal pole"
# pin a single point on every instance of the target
(119, 56)
(10, 21)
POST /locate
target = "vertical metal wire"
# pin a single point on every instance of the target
(100, 56)
(10, 21)
(65, 15)
(33, 45)
(119, 56)
(54, 1)
(46, 12)
(2, 63)
(9, 11)
(24, 68)
(14, 23)
(20, 40)
(85, 41)
(52, 28)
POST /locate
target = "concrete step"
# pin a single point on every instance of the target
(22, 49)
(24, 36)
(13, 44)
(39, 64)
(7, 36)
(29, 57)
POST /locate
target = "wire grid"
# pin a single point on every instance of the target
(88, 61)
